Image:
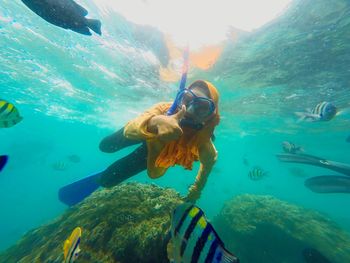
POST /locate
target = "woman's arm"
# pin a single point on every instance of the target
(207, 158)
(137, 129)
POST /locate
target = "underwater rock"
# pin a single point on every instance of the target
(265, 229)
(127, 223)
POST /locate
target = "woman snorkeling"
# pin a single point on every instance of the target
(177, 133)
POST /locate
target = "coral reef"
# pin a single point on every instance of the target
(127, 223)
(265, 229)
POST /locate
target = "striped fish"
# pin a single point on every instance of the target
(71, 246)
(256, 173)
(194, 240)
(9, 115)
(324, 111)
(290, 147)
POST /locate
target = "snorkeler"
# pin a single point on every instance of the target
(169, 134)
(314, 160)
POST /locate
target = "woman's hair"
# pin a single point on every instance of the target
(201, 85)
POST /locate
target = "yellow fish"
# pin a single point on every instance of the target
(9, 114)
(71, 246)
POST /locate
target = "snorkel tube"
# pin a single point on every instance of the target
(173, 107)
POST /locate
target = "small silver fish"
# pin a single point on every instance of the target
(9, 115)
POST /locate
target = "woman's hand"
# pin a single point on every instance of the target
(193, 195)
(167, 127)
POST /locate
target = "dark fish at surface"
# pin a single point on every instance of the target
(66, 14)
(3, 161)
(329, 184)
(312, 255)
(348, 139)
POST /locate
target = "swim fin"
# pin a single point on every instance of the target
(313, 160)
(76, 192)
(3, 161)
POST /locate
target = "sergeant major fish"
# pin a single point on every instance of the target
(324, 111)
(256, 173)
(290, 147)
(193, 238)
(9, 115)
(66, 14)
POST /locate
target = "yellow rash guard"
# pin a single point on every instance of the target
(190, 147)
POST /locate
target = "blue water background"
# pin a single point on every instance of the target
(73, 90)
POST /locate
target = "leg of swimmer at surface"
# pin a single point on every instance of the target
(116, 142)
(125, 168)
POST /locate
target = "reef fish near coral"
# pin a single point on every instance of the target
(71, 246)
(312, 255)
(328, 184)
(193, 238)
(66, 14)
(9, 115)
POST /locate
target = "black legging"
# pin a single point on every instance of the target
(127, 166)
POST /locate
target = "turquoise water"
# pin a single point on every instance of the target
(73, 90)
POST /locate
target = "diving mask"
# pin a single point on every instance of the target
(196, 106)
